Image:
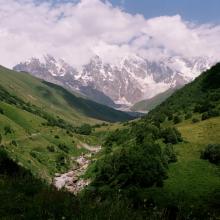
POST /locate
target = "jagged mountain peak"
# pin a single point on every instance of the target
(130, 80)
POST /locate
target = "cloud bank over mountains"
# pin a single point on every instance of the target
(75, 31)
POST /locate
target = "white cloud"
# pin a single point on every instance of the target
(75, 31)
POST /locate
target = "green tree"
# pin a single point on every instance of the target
(171, 135)
(85, 129)
(133, 166)
(177, 119)
(169, 154)
(212, 153)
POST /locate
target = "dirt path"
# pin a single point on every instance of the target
(71, 180)
(94, 149)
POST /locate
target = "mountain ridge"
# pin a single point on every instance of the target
(131, 80)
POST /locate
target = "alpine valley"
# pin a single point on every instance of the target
(109, 110)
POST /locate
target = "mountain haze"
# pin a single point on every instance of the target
(130, 80)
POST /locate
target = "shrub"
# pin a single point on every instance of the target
(143, 131)
(56, 136)
(33, 154)
(1, 111)
(204, 106)
(13, 142)
(205, 116)
(170, 117)
(8, 130)
(169, 154)
(188, 115)
(85, 129)
(160, 118)
(214, 112)
(62, 161)
(177, 119)
(64, 148)
(195, 120)
(212, 153)
(136, 166)
(211, 113)
(171, 135)
(51, 148)
(117, 137)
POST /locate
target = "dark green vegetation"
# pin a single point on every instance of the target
(178, 131)
(201, 97)
(24, 197)
(152, 168)
(149, 104)
(212, 153)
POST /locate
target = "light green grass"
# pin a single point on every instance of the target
(191, 180)
(31, 136)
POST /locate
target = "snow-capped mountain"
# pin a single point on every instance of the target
(131, 80)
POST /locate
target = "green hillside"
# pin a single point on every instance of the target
(184, 127)
(193, 184)
(162, 166)
(40, 123)
(200, 98)
(149, 104)
(56, 100)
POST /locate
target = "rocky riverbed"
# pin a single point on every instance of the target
(71, 180)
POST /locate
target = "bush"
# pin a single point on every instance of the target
(13, 142)
(205, 116)
(8, 130)
(64, 148)
(51, 148)
(1, 111)
(133, 166)
(195, 120)
(171, 136)
(188, 116)
(159, 118)
(211, 113)
(85, 129)
(169, 154)
(56, 136)
(117, 137)
(177, 119)
(212, 153)
(62, 161)
(143, 131)
(33, 154)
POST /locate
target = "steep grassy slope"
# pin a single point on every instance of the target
(56, 100)
(39, 122)
(202, 96)
(35, 145)
(193, 184)
(149, 104)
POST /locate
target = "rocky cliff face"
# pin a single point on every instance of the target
(131, 80)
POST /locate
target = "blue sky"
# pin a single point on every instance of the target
(198, 11)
